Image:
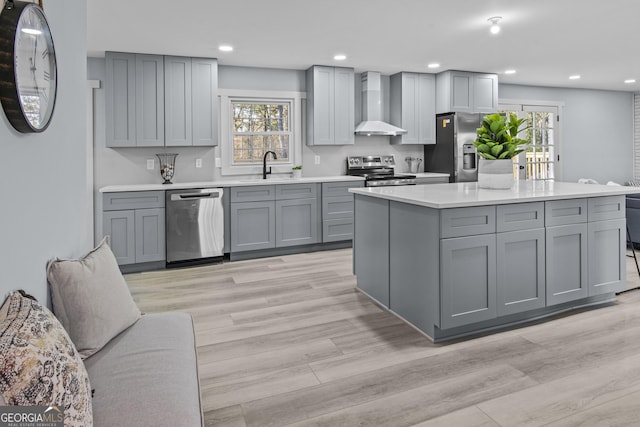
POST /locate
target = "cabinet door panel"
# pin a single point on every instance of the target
(426, 109)
(150, 235)
(149, 100)
(486, 93)
(204, 97)
(253, 226)
(337, 230)
(120, 226)
(468, 280)
(520, 271)
(323, 105)
(344, 106)
(410, 108)
(461, 92)
(607, 252)
(566, 260)
(120, 99)
(177, 101)
(296, 222)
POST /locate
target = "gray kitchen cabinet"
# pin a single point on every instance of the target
(520, 271)
(468, 280)
(566, 259)
(177, 105)
(156, 101)
(413, 107)
(135, 222)
(337, 210)
(371, 255)
(253, 226)
(462, 91)
(297, 222)
(330, 106)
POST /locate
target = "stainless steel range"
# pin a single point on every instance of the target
(378, 171)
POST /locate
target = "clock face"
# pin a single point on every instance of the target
(35, 67)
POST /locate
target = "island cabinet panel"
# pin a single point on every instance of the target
(566, 258)
(468, 280)
(459, 222)
(520, 271)
(253, 225)
(606, 208)
(561, 212)
(371, 249)
(521, 216)
(607, 252)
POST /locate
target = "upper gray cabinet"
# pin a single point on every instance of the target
(462, 91)
(413, 107)
(155, 101)
(330, 106)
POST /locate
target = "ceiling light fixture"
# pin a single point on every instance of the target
(495, 28)
(225, 48)
(510, 71)
(340, 57)
(629, 81)
(433, 65)
(574, 77)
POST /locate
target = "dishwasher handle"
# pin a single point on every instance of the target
(191, 196)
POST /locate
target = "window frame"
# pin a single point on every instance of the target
(229, 96)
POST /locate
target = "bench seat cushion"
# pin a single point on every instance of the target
(147, 375)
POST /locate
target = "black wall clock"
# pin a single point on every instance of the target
(28, 72)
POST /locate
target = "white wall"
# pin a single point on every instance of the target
(43, 176)
(596, 130)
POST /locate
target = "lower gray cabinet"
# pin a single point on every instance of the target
(253, 226)
(566, 258)
(607, 254)
(337, 210)
(520, 271)
(468, 280)
(297, 222)
(135, 222)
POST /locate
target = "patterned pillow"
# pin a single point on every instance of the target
(39, 363)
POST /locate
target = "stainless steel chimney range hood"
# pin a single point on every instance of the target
(372, 123)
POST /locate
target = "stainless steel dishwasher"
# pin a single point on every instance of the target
(195, 224)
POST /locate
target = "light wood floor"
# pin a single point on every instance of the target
(289, 341)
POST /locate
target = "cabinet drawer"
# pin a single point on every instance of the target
(133, 200)
(330, 189)
(605, 208)
(460, 222)
(256, 193)
(337, 207)
(296, 191)
(336, 230)
(519, 216)
(562, 212)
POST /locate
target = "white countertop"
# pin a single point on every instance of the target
(225, 183)
(441, 196)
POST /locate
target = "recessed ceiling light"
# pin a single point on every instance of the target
(433, 65)
(225, 48)
(629, 81)
(574, 77)
(495, 28)
(509, 71)
(340, 57)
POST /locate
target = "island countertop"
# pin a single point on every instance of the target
(463, 194)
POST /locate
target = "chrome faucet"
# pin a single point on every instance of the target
(264, 164)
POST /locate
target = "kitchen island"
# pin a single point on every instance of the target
(454, 260)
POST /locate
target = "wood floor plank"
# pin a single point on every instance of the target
(231, 416)
(470, 416)
(619, 412)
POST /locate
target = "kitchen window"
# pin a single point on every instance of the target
(541, 157)
(254, 122)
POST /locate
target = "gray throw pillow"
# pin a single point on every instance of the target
(91, 298)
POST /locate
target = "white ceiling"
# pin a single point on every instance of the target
(546, 41)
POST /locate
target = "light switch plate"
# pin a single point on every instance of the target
(317, 160)
(218, 162)
(198, 163)
(151, 164)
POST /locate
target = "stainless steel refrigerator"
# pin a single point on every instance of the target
(453, 152)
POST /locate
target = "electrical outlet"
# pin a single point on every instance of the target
(317, 160)
(198, 163)
(218, 162)
(151, 164)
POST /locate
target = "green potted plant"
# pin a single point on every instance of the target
(497, 144)
(297, 171)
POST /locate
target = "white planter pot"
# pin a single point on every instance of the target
(495, 174)
(296, 173)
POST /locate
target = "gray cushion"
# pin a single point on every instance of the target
(147, 375)
(91, 298)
